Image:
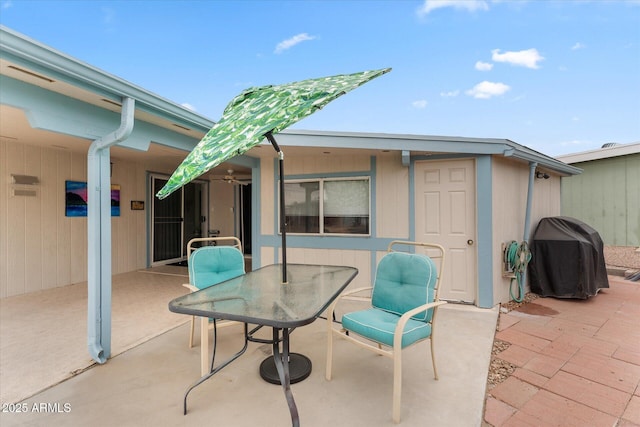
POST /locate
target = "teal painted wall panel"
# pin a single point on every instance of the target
(607, 197)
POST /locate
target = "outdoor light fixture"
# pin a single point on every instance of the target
(542, 175)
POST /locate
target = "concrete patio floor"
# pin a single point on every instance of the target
(576, 363)
(145, 385)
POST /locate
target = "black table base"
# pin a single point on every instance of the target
(299, 369)
(276, 371)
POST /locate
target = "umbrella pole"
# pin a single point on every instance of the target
(283, 224)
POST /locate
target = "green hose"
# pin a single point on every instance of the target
(517, 257)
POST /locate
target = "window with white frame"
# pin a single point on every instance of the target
(344, 207)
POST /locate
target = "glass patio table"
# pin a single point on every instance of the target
(260, 298)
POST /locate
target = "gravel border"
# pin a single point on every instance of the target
(622, 256)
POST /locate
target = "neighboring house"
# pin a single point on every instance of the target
(607, 194)
(348, 194)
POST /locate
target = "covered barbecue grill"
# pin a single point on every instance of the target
(567, 259)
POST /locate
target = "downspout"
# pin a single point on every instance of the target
(527, 216)
(99, 235)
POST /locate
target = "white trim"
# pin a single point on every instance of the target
(601, 153)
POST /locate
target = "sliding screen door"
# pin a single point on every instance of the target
(176, 219)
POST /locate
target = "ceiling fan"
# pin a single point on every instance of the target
(231, 179)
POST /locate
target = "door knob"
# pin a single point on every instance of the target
(469, 242)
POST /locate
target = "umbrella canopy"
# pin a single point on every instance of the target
(258, 111)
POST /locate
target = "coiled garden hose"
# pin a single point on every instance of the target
(517, 257)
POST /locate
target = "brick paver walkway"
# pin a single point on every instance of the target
(578, 362)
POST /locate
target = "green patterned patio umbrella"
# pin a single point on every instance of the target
(257, 113)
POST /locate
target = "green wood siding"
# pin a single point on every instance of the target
(607, 197)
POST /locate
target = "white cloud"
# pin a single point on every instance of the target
(420, 104)
(469, 5)
(291, 42)
(450, 94)
(525, 58)
(486, 90)
(483, 66)
(188, 106)
(578, 46)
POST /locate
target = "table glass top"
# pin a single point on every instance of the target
(260, 297)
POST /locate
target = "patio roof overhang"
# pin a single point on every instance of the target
(74, 78)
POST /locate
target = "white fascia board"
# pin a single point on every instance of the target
(601, 153)
(439, 144)
(385, 141)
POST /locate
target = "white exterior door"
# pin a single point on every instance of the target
(445, 203)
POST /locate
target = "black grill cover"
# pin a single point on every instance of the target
(567, 259)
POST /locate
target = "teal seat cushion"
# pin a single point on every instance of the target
(211, 265)
(404, 281)
(379, 326)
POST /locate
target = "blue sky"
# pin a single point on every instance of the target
(556, 76)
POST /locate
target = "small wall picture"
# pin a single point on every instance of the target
(115, 200)
(137, 205)
(76, 199)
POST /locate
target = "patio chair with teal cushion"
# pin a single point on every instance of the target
(404, 303)
(208, 266)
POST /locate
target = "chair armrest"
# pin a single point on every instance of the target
(190, 287)
(351, 295)
(397, 334)
(347, 295)
(354, 291)
(423, 307)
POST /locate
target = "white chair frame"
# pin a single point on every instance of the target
(394, 352)
(205, 325)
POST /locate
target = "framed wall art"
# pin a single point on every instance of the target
(75, 200)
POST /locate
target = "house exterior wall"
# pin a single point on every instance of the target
(607, 197)
(392, 198)
(36, 248)
(510, 186)
(268, 199)
(41, 248)
(389, 211)
(222, 208)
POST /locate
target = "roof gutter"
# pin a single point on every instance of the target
(527, 217)
(541, 160)
(99, 235)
